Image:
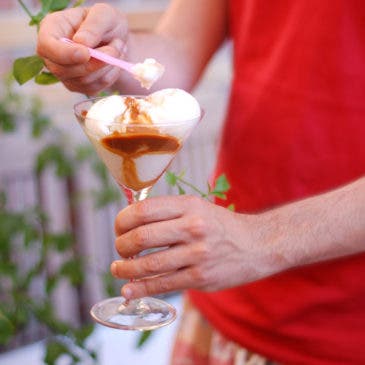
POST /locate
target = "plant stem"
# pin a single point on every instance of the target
(25, 8)
(187, 183)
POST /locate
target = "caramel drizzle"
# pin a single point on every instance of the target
(136, 115)
(135, 143)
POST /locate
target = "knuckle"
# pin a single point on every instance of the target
(84, 81)
(40, 48)
(57, 70)
(198, 276)
(192, 201)
(158, 285)
(71, 86)
(196, 226)
(200, 252)
(101, 6)
(49, 18)
(164, 285)
(151, 265)
(141, 211)
(107, 79)
(121, 248)
(118, 228)
(111, 77)
(140, 237)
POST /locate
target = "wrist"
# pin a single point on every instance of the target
(272, 235)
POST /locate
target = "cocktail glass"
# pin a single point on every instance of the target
(136, 155)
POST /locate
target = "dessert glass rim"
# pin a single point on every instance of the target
(78, 112)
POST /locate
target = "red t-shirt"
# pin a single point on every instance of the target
(295, 128)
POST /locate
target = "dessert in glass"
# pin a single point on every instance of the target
(137, 137)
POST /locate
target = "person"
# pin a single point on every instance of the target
(282, 278)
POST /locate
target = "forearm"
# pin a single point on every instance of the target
(321, 228)
(167, 52)
(187, 35)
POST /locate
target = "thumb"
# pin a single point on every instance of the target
(101, 24)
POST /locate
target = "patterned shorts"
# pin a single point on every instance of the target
(197, 343)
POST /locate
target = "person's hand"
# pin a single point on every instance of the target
(209, 247)
(101, 27)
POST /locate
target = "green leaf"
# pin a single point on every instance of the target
(84, 152)
(100, 171)
(171, 178)
(46, 4)
(181, 190)
(8, 269)
(231, 207)
(53, 5)
(26, 68)
(145, 335)
(36, 19)
(109, 284)
(51, 283)
(7, 119)
(81, 334)
(31, 234)
(221, 185)
(46, 78)
(3, 200)
(11, 224)
(54, 351)
(56, 5)
(39, 125)
(7, 329)
(53, 155)
(78, 3)
(61, 241)
(44, 312)
(21, 315)
(219, 195)
(106, 196)
(73, 270)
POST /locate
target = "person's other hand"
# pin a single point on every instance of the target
(102, 27)
(208, 247)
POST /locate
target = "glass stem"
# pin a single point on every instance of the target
(133, 197)
(136, 196)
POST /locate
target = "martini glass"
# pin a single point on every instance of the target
(136, 155)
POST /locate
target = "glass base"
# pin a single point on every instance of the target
(139, 314)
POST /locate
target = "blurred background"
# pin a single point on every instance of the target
(64, 211)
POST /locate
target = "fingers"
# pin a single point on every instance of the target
(178, 280)
(99, 26)
(102, 24)
(93, 76)
(149, 236)
(55, 26)
(183, 224)
(153, 264)
(153, 210)
(94, 83)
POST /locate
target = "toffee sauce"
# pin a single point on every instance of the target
(134, 143)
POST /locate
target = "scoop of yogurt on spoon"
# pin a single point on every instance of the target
(147, 72)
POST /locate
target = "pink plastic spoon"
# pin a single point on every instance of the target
(146, 73)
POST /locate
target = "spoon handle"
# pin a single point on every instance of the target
(101, 56)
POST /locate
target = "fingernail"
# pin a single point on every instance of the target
(79, 56)
(124, 49)
(127, 292)
(81, 36)
(114, 269)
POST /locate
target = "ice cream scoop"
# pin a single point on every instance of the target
(147, 72)
(137, 137)
(166, 106)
